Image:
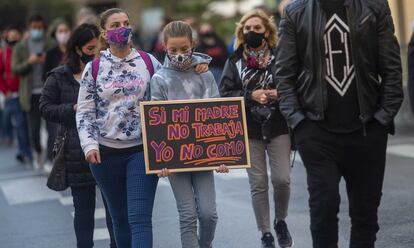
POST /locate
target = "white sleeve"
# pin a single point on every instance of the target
(86, 112)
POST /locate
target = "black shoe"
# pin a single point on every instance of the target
(268, 241)
(283, 236)
(20, 158)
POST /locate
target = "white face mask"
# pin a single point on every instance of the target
(62, 37)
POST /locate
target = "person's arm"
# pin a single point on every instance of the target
(230, 84)
(389, 68)
(51, 107)
(211, 85)
(20, 63)
(287, 66)
(3, 86)
(86, 112)
(157, 89)
(410, 58)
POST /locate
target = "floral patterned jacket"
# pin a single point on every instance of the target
(108, 109)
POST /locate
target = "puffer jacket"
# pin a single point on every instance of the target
(59, 95)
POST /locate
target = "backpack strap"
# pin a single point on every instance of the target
(95, 68)
(147, 61)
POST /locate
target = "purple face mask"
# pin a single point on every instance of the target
(119, 37)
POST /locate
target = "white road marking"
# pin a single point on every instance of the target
(27, 190)
(99, 213)
(404, 150)
(66, 201)
(101, 234)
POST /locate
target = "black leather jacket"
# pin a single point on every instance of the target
(300, 66)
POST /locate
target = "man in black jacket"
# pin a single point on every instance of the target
(340, 86)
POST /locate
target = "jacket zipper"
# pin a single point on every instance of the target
(321, 33)
(351, 28)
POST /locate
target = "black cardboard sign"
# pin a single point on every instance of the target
(195, 135)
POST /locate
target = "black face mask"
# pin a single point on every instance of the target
(253, 39)
(11, 42)
(85, 58)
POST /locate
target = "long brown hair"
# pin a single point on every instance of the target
(268, 23)
(103, 20)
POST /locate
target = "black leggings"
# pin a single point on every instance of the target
(84, 199)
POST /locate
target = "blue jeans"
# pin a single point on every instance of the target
(13, 111)
(130, 194)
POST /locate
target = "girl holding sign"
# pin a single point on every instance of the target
(194, 192)
(249, 72)
(108, 122)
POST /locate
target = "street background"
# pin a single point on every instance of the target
(32, 216)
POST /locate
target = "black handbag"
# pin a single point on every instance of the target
(58, 179)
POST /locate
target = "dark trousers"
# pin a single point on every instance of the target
(130, 195)
(360, 160)
(84, 219)
(35, 121)
(13, 111)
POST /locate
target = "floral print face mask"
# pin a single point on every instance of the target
(181, 61)
(119, 37)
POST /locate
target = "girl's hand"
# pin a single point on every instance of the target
(164, 173)
(223, 169)
(93, 157)
(272, 94)
(201, 68)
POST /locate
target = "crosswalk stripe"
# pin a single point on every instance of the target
(27, 190)
(99, 213)
(66, 201)
(404, 150)
(100, 234)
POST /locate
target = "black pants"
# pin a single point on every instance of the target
(84, 220)
(35, 121)
(360, 160)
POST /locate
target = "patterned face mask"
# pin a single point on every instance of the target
(181, 61)
(119, 37)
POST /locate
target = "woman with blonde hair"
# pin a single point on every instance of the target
(249, 72)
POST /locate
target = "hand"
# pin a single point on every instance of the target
(41, 59)
(223, 169)
(75, 107)
(32, 59)
(201, 68)
(272, 94)
(93, 157)
(260, 96)
(164, 173)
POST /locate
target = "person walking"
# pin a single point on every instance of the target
(55, 57)
(58, 105)
(340, 87)
(28, 62)
(108, 121)
(249, 72)
(9, 84)
(194, 192)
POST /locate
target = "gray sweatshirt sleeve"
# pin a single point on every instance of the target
(211, 85)
(157, 89)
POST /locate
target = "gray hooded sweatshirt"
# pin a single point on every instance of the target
(170, 83)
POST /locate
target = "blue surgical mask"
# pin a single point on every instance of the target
(36, 34)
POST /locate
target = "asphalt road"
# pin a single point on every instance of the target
(31, 216)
